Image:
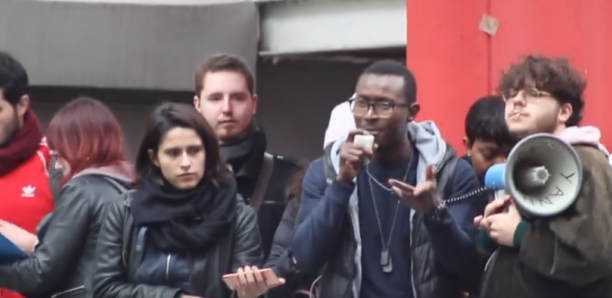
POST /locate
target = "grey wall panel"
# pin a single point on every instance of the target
(122, 45)
(296, 99)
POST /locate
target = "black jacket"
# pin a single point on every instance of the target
(274, 201)
(117, 258)
(67, 245)
(280, 260)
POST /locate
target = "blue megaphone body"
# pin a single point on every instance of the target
(496, 177)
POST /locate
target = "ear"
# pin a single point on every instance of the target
(196, 102)
(414, 109)
(255, 101)
(467, 144)
(153, 157)
(565, 112)
(23, 105)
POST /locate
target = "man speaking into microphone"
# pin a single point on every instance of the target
(374, 218)
(568, 254)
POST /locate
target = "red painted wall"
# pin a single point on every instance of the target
(455, 63)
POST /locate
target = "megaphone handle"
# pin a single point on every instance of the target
(498, 196)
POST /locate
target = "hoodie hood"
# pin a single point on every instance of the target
(123, 172)
(341, 122)
(427, 140)
(588, 135)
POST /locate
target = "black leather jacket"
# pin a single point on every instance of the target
(115, 265)
(65, 253)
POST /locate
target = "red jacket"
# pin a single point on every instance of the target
(25, 196)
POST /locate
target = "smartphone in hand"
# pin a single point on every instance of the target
(270, 278)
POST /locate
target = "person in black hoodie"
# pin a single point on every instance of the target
(487, 139)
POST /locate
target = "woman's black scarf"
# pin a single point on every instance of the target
(185, 221)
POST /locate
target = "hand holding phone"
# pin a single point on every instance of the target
(251, 282)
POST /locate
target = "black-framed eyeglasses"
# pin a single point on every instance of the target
(382, 108)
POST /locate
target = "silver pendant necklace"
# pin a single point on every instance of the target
(386, 262)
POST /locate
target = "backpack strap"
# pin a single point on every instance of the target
(262, 181)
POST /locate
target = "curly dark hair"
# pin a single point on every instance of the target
(555, 76)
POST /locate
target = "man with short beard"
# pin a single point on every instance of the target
(565, 255)
(24, 182)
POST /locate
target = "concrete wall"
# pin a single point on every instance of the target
(297, 98)
(124, 45)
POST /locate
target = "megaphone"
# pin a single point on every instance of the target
(543, 175)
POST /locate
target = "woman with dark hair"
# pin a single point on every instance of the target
(184, 226)
(90, 147)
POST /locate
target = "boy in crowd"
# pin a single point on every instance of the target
(487, 138)
(488, 142)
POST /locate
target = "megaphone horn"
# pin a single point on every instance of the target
(543, 175)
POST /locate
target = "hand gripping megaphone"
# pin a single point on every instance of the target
(543, 175)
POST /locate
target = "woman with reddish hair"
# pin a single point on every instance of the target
(90, 148)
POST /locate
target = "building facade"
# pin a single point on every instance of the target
(132, 54)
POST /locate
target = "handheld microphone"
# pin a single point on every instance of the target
(367, 141)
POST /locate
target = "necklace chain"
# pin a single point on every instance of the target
(371, 178)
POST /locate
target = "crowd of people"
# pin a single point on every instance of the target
(206, 212)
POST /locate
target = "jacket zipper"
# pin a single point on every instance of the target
(168, 259)
(414, 291)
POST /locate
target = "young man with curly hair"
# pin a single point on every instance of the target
(569, 254)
